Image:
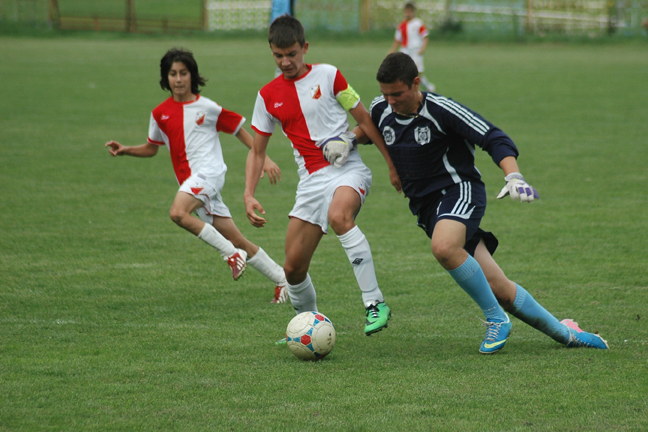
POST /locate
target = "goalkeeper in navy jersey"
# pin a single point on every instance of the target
(431, 140)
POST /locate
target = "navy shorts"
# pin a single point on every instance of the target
(464, 202)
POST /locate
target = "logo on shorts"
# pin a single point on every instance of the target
(196, 191)
(357, 261)
(389, 135)
(422, 135)
(316, 93)
(278, 104)
(200, 118)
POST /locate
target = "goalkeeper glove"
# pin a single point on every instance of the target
(337, 150)
(518, 188)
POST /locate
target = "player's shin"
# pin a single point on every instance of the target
(212, 237)
(471, 278)
(528, 310)
(262, 262)
(358, 251)
(303, 296)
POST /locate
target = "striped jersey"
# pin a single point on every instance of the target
(309, 109)
(436, 147)
(190, 131)
(411, 34)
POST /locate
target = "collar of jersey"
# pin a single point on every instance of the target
(310, 68)
(186, 103)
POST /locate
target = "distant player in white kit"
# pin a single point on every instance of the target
(310, 103)
(189, 125)
(412, 38)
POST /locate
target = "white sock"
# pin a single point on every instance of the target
(302, 296)
(357, 248)
(212, 237)
(267, 267)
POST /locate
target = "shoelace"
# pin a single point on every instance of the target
(373, 310)
(492, 330)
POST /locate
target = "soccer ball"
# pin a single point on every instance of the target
(310, 336)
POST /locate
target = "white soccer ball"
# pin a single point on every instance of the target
(310, 336)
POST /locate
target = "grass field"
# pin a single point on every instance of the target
(114, 319)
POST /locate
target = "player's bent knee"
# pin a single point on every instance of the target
(341, 223)
(178, 216)
(295, 274)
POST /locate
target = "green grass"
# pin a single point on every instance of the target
(114, 319)
(184, 9)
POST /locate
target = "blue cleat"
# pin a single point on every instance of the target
(497, 332)
(582, 339)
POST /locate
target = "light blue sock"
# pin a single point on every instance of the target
(526, 309)
(470, 277)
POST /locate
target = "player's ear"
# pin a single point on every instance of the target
(416, 83)
(305, 47)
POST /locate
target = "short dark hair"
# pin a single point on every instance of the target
(187, 58)
(410, 5)
(397, 66)
(285, 31)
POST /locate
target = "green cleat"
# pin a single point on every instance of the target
(377, 316)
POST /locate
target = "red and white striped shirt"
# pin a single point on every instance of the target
(190, 131)
(307, 110)
(411, 34)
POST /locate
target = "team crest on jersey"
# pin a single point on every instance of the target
(316, 92)
(389, 135)
(422, 135)
(200, 118)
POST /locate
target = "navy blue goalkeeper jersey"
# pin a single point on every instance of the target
(435, 148)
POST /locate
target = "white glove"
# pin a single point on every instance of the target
(518, 188)
(336, 150)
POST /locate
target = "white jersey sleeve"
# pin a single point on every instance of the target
(155, 134)
(262, 121)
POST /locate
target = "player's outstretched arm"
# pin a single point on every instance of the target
(273, 170)
(361, 115)
(516, 186)
(253, 170)
(144, 150)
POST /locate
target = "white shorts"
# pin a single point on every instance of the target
(418, 59)
(315, 192)
(207, 190)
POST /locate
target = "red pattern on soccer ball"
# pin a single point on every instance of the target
(305, 339)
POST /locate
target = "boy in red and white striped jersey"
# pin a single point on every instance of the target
(189, 125)
(310, 103)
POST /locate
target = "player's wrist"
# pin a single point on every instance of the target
(514, 176)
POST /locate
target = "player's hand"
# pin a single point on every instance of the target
(395, 180)
(337, 150)
(273, 170)
(115, 149)
(516, 187)
(251, 208)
